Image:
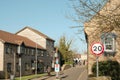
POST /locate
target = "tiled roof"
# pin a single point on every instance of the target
(7, 37)
(38, 32)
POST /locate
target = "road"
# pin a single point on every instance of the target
(74, 73)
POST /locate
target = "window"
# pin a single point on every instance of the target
(38, 52)
(32, 65)
(33, 52)
(108, 43)
(30, 51)
(48, 43)
(25, 51)
(108, 39)
(42, 53)
(53, 44)
(22, 49)
(9, 67)
(7, 49)
(27, 67)
(13, 50)
(10, 49)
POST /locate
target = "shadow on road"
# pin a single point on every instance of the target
(64, 76)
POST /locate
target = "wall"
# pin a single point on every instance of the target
(1, 56)
(33, 36)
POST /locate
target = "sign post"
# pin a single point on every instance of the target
(57, 69)
(97, 69)
(97, 49)
(57, 65)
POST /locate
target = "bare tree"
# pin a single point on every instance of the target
(88, 9)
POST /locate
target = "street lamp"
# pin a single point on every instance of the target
(36, 58)
(19, 54)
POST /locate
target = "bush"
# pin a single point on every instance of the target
(108, 68)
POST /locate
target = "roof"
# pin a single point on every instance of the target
(37, 32)
(7, 37)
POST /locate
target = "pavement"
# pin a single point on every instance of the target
(74, 73)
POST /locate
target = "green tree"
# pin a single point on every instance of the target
(64, 47)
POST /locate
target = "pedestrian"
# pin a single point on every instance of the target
(49, 70)
(33, 70)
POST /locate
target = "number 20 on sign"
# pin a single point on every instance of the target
(97, 48)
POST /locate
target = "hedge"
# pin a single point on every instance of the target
(108, 68)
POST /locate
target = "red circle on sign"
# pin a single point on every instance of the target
(97, 48)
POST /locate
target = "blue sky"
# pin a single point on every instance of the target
(47, 16)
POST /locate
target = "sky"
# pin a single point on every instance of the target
(46, 16)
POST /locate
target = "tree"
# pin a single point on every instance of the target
(64, 47)
(87, 9)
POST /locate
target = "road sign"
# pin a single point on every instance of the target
(97, 48)
(57, 67)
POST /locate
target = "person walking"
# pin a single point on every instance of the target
(48, 70)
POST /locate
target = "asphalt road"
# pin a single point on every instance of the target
(74, 73)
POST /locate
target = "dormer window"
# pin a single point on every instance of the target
(108, 40)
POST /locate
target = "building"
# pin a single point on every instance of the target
(98, 29)
(39, 38)
(23, 47)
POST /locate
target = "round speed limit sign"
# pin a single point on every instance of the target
(97, 48)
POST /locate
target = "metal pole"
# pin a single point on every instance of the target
(14, 64)
(57, 75)
(19, 52)
(57, 62)
(36, 59)
(97, 69)
(20, 67)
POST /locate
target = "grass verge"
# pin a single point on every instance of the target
(30, 76)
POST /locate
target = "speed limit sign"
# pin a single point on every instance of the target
(97, 48)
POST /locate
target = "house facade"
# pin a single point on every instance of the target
(39, 38)
(100, 29)
(18, 50)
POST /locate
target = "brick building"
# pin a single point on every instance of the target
(100, 29)
(24, 44)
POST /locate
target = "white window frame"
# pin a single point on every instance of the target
(113, 43)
